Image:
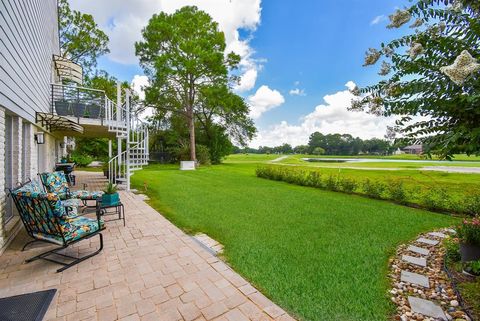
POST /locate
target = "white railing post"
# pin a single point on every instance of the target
(119, 120)
(127, 106)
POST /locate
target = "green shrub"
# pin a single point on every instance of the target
(452, 249)
(81, 160)
(437, 199)
(472, 203)
(203, 154)
(314, 179)
(373, 189)
(347, 185)
(332, 183)
(396, 191)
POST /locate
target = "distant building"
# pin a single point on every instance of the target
(413, 149)
(398, 152)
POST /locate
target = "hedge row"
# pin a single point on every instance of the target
(434, 198)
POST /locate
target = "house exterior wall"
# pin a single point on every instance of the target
(28, 41)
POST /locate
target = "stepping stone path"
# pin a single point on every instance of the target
(427, 241)
(412, 287)
(426, 307)
(415, 278)
(420, 261)
(418, 250)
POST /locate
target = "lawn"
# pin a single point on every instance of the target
(320, 255)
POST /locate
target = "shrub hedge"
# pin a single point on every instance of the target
(432, 198)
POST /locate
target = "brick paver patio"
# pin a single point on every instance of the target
(148, 270)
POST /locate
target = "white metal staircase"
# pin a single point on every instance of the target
(132, 141)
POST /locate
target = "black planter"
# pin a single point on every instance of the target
(78, 109)
(469, 252)
(62, 108)
(92, 111)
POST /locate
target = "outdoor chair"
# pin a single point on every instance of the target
(48, 219)
(56, 182)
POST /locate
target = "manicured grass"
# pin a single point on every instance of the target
(320, 255)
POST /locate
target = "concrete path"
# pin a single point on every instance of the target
(279, 159)
(148, 270)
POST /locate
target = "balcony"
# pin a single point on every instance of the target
(87, 107)
(80, 102)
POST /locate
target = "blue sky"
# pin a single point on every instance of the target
(312, 48)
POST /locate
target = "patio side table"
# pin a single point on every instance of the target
(119, 210)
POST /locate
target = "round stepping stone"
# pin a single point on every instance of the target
(426, 307)
(419, 250)
(420, 261)
(415, 278)
(427, 241)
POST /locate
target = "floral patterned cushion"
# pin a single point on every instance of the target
(86, 195)
(55, 182)
(73, 229)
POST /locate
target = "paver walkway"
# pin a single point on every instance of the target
(148, 270)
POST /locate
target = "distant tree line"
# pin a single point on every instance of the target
(329, 144)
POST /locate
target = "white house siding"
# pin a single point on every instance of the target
(28, 41)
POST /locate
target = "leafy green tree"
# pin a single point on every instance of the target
(301, 149)
(103, 81)
(81, 40)
(182, 54)
(434, 72)
(318, 151)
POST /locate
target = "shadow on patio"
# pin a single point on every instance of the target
(148, 270)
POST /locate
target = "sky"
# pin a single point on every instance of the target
(298, 57)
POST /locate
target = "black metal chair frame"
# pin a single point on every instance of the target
(52, 225)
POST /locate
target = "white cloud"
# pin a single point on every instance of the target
(331, 117)
(123, 21)
(248, 80)
(138, 84)
(297, 92)
(378, 19)
(264, 100)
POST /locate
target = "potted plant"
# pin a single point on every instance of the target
(469, 236)
(110, 195)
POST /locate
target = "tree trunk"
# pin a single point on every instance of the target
(191, 129)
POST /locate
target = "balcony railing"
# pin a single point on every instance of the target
(77, 101)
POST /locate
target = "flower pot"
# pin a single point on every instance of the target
(469, 252)
(62, 108)
(78, 110)
(92, 111)
(110, 199)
